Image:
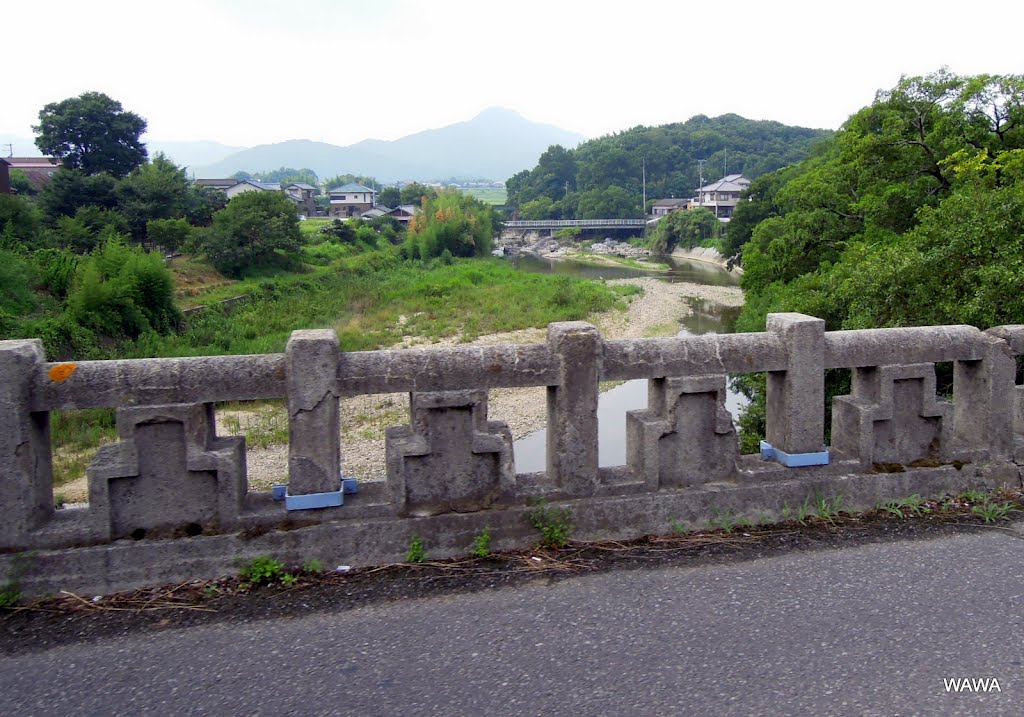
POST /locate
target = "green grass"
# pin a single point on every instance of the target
(488, 195)
(312, 227)
(362, 297)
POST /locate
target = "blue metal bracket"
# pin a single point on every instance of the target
(346, 486)
(314, 500)
(794, 460)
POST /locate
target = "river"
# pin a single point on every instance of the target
(708, 317)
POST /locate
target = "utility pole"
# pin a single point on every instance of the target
(10, 149)
(643, 169)
(700, 173)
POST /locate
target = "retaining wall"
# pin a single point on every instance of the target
(170, 499)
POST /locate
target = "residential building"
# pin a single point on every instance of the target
(663, 206)
(721, 197)
(5, 177)
(302, 195)
(403, 213)
(249, 185)
(351, 200)
(221, 184)
(38, 170)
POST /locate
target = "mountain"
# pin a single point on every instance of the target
(187, 154)
(495, 144)
(191, 154)
(607, 177)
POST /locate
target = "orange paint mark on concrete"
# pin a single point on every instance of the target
(62, 372)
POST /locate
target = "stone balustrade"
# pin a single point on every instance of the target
(170, 500)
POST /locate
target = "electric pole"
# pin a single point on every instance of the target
(700, 174)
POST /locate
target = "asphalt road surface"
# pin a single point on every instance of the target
(879, 629)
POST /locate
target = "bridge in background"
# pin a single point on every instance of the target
(554, 224)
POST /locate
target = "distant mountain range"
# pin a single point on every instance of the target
(495, 144)
(187, 154)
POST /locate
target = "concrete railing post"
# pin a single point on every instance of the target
(314, 440)
(984, 398)
(796, 396)
(26, 480)
(572, 407)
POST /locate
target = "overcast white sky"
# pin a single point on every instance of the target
(246, 72)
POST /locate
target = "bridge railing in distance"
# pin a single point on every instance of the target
(170, 499)
(562, 223)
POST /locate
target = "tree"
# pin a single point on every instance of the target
(415, 193)
(339, 180)
(609, 203)
(19, 220)
(685, 228)
(251, 229)
(390, 197)
(168, 234)
(123, 292)
(156, 190)
(70, 189)
(20, 183)
(93, 133)
(452, 222)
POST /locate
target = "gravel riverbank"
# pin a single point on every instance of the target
(655, 312)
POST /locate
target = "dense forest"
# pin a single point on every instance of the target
(912, 214)
(603, 178)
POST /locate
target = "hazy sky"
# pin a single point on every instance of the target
(246, 72)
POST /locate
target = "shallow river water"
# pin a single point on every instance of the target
(708, 317)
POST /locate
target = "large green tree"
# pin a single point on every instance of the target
(158, 189)
(252, 229)
(92, 133)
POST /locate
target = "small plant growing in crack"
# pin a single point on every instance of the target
(416, 553)
(10, 591)
(828, 510)
(723, 520)
(991, 512)
(554, 524)
(264, 570)
(482, 543)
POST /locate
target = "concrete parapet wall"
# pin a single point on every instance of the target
(170, 500)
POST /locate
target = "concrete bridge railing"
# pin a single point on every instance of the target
(170, 499)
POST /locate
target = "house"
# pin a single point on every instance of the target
(403, 213)
(378, 211)
(250, 185)
(663, 206)
(5, 177)
(38, 170)
(219, 184)
(721, 197)
(351, 200)
(302, 195)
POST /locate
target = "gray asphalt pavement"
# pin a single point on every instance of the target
(872, 630)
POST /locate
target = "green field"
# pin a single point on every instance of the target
(488, 195)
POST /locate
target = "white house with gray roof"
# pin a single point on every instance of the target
(351, 200)
(721, 197)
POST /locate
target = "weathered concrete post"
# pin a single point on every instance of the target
(25, 471)
(984, 400)
(796, 396)
(572, 407)
(314, 441)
